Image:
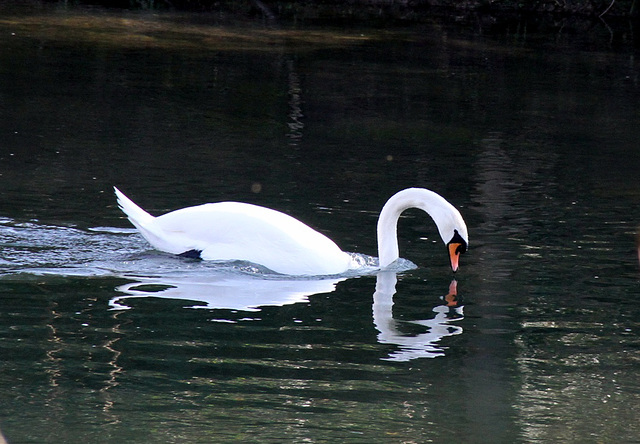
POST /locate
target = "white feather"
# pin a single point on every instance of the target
(239, 231)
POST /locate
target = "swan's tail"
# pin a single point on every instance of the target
(138, 217)
(148, 226)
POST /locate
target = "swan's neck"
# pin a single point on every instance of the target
(445, 215)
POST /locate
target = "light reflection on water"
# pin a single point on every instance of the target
(225, 291)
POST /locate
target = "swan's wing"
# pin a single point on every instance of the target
(239, 231)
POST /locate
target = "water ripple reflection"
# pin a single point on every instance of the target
(422, 345)
(235, 291)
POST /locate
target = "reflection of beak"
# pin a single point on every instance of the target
(454, 255)
(451, 299)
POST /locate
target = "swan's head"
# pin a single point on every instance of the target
(451, 226)
(456, 246)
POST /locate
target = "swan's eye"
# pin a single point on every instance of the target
(462, 248)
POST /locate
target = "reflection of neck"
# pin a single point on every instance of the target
(383, 306)
(423, 345)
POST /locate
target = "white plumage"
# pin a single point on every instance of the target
(228, 231)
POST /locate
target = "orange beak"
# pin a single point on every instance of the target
(454, 255)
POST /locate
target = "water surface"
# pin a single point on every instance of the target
(534, 139)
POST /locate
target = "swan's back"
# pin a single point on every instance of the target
(238, 231)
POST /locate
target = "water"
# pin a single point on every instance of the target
(533, 138)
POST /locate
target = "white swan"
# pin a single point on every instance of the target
(240, 231)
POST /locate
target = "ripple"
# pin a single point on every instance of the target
(40, 249)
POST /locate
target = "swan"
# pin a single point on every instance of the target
(228, 231)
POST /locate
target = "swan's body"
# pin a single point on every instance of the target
(239, 231)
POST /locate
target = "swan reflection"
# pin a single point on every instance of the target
(249, 293)
(225, 292)
(423, 345)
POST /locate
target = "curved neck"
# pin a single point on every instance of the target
(445, 215)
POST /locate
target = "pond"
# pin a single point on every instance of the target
(534, 138)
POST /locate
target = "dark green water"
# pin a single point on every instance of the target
(104, 340)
